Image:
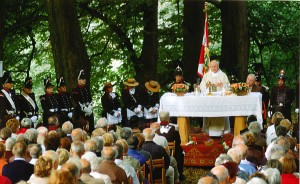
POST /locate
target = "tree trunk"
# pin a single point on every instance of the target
(146, 69)
(193, 27)
(235, 38)
(68, 48)
(1, 30)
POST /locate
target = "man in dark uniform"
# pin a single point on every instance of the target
(49, 102)
(169, 132)
(7, 100)
(179, 79)
(282, 98)
(132, 104)
(265, 97)
(26, 103)
(111, 104)
(83, 102)
(150, 102)
(65, 102)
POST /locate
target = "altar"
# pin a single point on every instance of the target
(191, 105)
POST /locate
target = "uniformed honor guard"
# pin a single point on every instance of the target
(111, 104)
(26, 103)
(7, 100)
(131, 98)
(49, 102)
(179, 79)
(83, 102)
(150, 102)
(65, 102)
(282, 97)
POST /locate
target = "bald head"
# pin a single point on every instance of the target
(108, 153)
(77, 134)
(208, 178)
(242, 148)
(221, 172)
(149, 134)
(155, 127)
(86, 166)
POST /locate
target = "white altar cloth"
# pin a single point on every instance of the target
(191, 105)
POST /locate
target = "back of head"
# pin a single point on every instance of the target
(53, 156)
(77, 134)
(74, 166)
(276, 152)
(5, 133)
(232, 168)
(134, 121)
(254, 127)
(65, 143)
(239, 139)
(125, 133)
(221, 172)
(256, 180)
(274, 163)
(52, 141)
(31, 135)
(90, 145)
(235, 155)
(52, 120)
(86, 166)
(43, 167)
(2, 150)
(281, 131)
(222, 158)
(288, 165)
(42, 131)
(286, 123)
(208, 178)
(67, 127)
(276, 118)
(124, 144)
(92, 158)
(155, 127)
(141, 139)
(119, 148)
(63, 156)
(250, 119)
(108, 153)
(242, 148)
(77, 147)
(26, 122)
(108, 139)
(19, 149)
(35, 151)
(13, 124)
(102, 123)
(273, 175)
(164, 116)
(9, 143)
(149, 134)
(61, 177)
(133, 142)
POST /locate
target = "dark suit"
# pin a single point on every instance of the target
(25, 108)
(110, 104)
(6, 106)
(49, 103)
(129, 102)
(148, 101)
(65, 105)
(18, 170)
(82, 94)
(172, 135)
(256, 88)
(281, 101)
(157, 152)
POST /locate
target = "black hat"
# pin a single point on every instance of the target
(60, 82)
(178, 71)
(281, 75)
(28, 83)
(107, 85)
(6, 78)
(47, 83)
(81, 75)
(258, 77)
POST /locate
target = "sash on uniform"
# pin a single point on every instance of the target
(9, 99)
(28, 98)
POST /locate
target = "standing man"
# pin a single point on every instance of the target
(49, 102)
(216, 79)
(111, 104)
(83, 102)
(26, 104)
(150, 102)
(7, 100)
(65, 101)
(282, 97)
(251, 82)
(131, 98)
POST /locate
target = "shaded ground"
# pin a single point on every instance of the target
(193, 174)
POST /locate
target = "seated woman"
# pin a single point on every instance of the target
(42, 171)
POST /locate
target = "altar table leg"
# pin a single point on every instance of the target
(184, 129)
(239, 124)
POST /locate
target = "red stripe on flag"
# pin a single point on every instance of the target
(205, 43)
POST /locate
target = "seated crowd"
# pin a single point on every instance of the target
(270, 158)
(111, 154)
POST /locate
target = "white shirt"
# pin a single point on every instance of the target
(129, 170)
(105, 177)
(160, 140)
(270, 134)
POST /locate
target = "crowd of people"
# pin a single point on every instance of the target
(67, 146)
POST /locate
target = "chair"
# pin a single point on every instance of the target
(171, 146)
(143, 171)
(157, 164)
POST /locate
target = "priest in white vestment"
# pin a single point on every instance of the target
(215, 126)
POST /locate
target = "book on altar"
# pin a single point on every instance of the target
(113, 120)
(148, 115)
